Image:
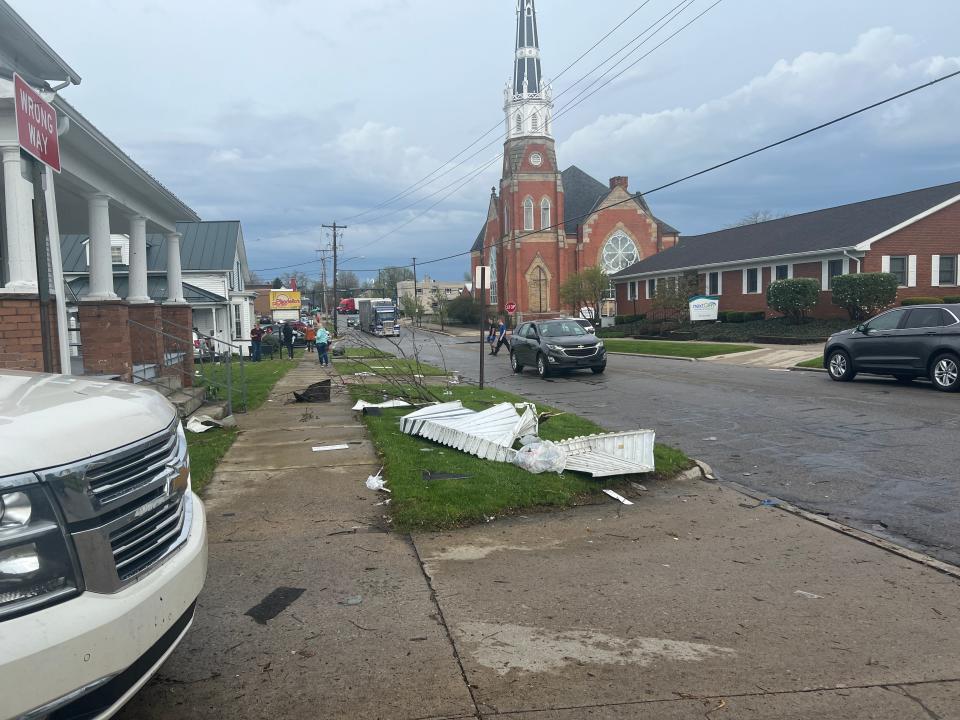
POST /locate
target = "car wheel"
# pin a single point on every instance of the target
(904, 378)
(840, 367)
(542, 369)
(514, 363)
(599, 369)
(945, 373)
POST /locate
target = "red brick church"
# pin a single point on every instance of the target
(545, 224)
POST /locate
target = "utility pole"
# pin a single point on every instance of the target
(415, 299)
(335, 227)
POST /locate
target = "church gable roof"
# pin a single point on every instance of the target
(581, 193)
(478, 243)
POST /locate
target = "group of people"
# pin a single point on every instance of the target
(496, 335)
(317, 337)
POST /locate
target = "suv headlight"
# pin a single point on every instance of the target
(555, 348)
(599, 344)
(36, 564)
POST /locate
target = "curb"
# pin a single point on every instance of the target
(794, 368)
(658, 357)
(861, 535)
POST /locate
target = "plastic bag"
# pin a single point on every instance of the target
(540, 457)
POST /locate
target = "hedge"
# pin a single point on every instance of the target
(922, 301)
(952, 299)
(793, 297)
(864, 294)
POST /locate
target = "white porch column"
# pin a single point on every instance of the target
(101, 262)
(138, 260)
(174, 276)
(21, 250)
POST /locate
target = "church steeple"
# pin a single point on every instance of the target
(528, 97)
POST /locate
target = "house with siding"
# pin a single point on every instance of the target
(214, 268)
(914, 235)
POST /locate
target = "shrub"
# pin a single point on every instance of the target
(607, 333)
(952, 299)
(464, 309)
(922, 301)
(864, 294)
(735, 316)
(793, 298)
(757, 315)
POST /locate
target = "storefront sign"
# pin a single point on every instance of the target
(704, 308)
(481, 277)
(36, 124)
(284, 300)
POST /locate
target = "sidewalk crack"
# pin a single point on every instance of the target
(903, 691)
(446, 628)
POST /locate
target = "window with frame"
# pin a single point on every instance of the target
(887, 321)
(948, 269)
(713, 283)
(116, 254)
(752, 280)
(528, 214)
(535, 123)
(651, 288)
(632, 290)
(518, 123)
(544, 214)
(493, 275)
(782, 272)
(237, 323)
(834, 268)
(927, 318)
(898, 268)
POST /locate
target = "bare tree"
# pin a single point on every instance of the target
(759, 216)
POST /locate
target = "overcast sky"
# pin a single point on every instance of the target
(287, 114)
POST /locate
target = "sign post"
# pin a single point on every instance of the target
(36, 121)
(480, 280)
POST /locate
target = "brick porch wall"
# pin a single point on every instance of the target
(177, 320)
(105, 335)
(146, 345)
(21, 347)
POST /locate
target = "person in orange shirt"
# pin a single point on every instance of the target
(311, 337)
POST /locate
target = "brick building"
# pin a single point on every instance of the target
(914, 235)
(544, 224)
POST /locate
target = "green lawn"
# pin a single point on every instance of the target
(386, 365)
(207, 449)
(260, 378)
(816, 362)
(492, 489)
(363, 352)
(673, 349)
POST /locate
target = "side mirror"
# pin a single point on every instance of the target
(862, 328)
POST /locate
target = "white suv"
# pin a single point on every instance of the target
(103, 545)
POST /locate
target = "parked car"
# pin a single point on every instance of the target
(907, 343)
(553, 345)
(103, 545)
(352, 322)
(586, 325)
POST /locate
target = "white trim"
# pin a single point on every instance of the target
(935, 270)
(885, 263)
(646, 285)
(824, 275)
(773, 272)
(866, 244)
(743, 274)
(911, 271)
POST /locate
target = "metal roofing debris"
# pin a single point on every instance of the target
(361, 404)
(491, 434)
(488, 434)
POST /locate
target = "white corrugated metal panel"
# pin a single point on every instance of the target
(620, 453)
(488, 434)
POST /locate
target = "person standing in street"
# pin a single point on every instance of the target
(310, 334)
(323, 342)
(501, 336)
(256, 338)
(287, 334)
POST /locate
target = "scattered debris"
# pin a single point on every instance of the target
(617, 496)
(202, 423)
(429, 475)
(395, 403)
(540, 457)
(351, 531)
(317, 392)
(608, 454)
(324, 448)
(710, 439)
(808, 595)
(638, 486)
(488, 434)
(352, 600)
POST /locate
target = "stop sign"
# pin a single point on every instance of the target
(510, 307)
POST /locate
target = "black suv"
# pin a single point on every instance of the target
(907, 342)
(551, 345)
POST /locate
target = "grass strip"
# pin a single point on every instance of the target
(388, 366)
(672, 348)
(816, 362)
(492, 489)
(206, 451)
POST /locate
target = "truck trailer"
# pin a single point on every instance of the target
(378, 316)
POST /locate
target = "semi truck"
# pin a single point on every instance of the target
(347, 306)
(378, 316)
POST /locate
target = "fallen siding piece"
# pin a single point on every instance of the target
(608, 454)
(617, 496)
(488, 434)
(324, 448)
(361, 404)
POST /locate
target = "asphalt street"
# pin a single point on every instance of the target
(874, 454)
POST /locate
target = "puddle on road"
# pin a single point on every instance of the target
(504, 647)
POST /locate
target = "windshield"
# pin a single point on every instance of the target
(561, 328)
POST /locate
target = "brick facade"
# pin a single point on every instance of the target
(146, 342)
(105, 336)
(177, 321)
(21, 346)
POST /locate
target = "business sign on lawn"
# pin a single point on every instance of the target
(36, 124)
(510, 307)
(284, 300)
(704, 308)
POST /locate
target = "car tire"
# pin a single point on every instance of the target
(840, 367)
(945, 372)
(514, 363)
(599, 370)
(904, 379)
(543, 370)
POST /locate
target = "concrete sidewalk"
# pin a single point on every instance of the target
(694, 602)
(771, 356)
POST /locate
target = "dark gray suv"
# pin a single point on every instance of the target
(906, 342)
(551, 345)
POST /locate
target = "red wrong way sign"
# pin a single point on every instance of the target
(510, 307)
(36, 124)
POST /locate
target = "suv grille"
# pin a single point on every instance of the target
(581, 352)
(148, 537)
(136, 468)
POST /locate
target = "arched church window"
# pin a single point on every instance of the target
(518, 123)
(535, 122)
(544, 213)
(618, 252)
(493, 275)
(506, 219)
(528, 214)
